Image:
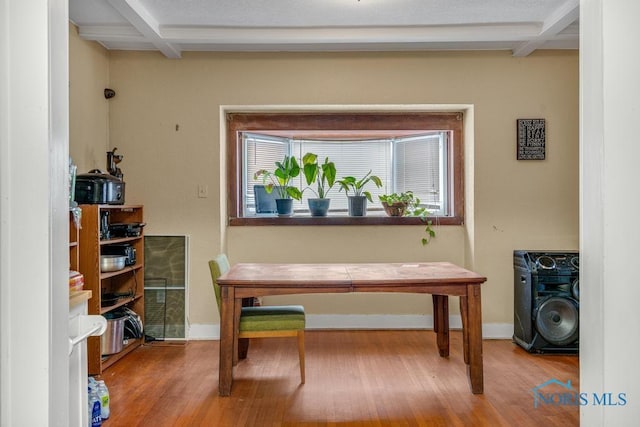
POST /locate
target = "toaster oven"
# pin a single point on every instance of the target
(99, 188)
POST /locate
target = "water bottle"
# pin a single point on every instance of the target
(95, 420)
(103, 395)
(89, 406)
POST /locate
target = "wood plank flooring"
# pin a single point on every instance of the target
(354, 378)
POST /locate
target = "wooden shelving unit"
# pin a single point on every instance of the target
(128, 280)
(74, 238)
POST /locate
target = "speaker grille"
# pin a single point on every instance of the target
(557, 320)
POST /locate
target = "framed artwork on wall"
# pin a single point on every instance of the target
(531, 137)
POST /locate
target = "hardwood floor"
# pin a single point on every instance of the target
(353, 378)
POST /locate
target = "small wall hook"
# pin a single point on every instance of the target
(109, 93)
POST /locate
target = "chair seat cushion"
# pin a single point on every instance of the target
(272, 318)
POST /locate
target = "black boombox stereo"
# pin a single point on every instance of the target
(546, 301)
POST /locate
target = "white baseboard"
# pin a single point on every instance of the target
(367, 321)
(207, 331)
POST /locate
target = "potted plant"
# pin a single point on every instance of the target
(358, 200)
(324, 175)
(406, 204)
(280, 179)
(395, 204)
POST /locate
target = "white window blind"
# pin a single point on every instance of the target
(352, 158)
(416, 163)
(259, 152)
(419, 166)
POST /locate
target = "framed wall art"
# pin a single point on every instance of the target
(531, 137)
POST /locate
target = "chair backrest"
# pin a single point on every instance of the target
(218, 266)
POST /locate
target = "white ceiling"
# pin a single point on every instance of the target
(176, 26)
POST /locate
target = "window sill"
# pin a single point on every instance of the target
(302, 219)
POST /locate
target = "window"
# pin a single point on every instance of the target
(413, 163)
(420, 152)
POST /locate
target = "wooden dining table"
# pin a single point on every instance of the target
(440, 279)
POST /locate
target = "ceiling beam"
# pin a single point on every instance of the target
(557, 21)
(134, 12)
(360, 34)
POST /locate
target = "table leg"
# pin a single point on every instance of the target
(474, 322)
(226, 340)
(465, 328)
(243, 343)
(237, 310)
(243, 348)
(436, 318)
(441, 322)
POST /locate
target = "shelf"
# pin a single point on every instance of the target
(122, 302)
(130, 279)
(130, 268)
(119, 240)
(123, 208)
(74, 244)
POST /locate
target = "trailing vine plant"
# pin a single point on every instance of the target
(412, 207)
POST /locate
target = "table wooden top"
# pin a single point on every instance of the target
(283, 274)
(348, 275)
(411, 273)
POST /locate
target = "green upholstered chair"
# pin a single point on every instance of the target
(264, 321)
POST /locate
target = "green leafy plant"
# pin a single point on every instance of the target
(324, 175)
(350, 183)
(402, 204)
(406, 197)
(281, 178)
(406, 204)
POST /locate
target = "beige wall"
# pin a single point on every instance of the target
(89, 118)
(165, 121)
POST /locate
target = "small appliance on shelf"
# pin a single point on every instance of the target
(124, 249)
(125, 229)
(98, 187)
